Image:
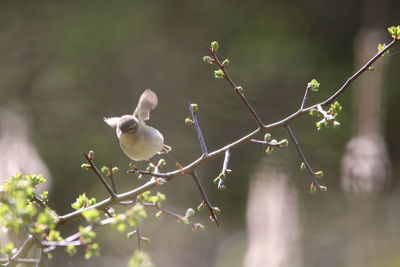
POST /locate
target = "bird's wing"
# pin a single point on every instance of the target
(112, 121)
(147, 102)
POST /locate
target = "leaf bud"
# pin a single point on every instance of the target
(208, 60)
(189, 121)
(267, 137)
(313, 189)
(269, 150)
(219, 74)
(216, 210)
(85, 166)
(189, 212)
(195, 107)
(91, 154)
(303, 166)
(283, 143)
(115, 169)
(214, 46)
(319, 174)
(225, 62)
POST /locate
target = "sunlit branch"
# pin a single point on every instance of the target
(98, 173)
(198, 130)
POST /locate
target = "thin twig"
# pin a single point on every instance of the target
(302, 156)
(173, 214)
(112, 179)
(198, 130)
(98, 173)
(236, 88)
(204, 196)
(305, 97)
(19, 260)
(22, 252)
(139, 238)
(265, 143)
(40, 202)
(226, 161)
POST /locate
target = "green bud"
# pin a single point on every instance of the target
(132, 165)
(267, 137)
(189, 121)
(372, 68)
(159, 214)
(208, 60)
(303, 166)
(161, 163)
(319, 174)
(222, 176)
(184, 220)
(239, 88)
(313, 189)
(269, 150)
(115, 169)
(221, 187)
(394, 32)
(225, 62)
(313, 85)
(283, 143)
(189, 212)
(216, 210)
(91, 154)
(195, 107)
(71, 250)
(228, 171)
(201, 206)
(314, 113)
(323, 188)
(216, 180)
(105, 170)
(219, 74)
(85, 166)
(214, 46)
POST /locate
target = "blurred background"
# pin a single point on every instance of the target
(64, 65)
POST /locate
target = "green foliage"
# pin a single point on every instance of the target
(7, 249)
(219, 74)
(45, 220)
(313, 85)
(394, 32)
(54, 236)
(147, 197)
(381, 47)
(71, 250)
(140, 259)
(329, 117)
(83, 201)
(16, 206)
(92, 250)
(214, 46)
(87, 235)
(91, 216)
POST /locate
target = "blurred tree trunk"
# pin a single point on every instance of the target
(365, 166)
(18, 154)
(272, 221)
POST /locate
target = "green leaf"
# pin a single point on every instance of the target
(92, 250)
(83, 201)
(140, 259)
(91, 216)
(313, 85)
(219, 74)
(214, 46)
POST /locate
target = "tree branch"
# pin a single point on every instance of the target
(216, 153)
(98, 173)
(198, 129)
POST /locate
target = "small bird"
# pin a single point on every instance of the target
(138, 140)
